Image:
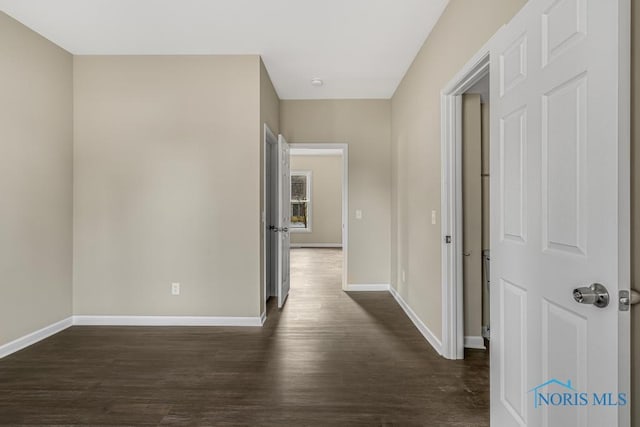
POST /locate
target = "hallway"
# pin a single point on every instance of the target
(328, 358)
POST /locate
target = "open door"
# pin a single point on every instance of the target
(560, 211)
(283, 220)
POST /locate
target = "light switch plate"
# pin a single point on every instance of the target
(433, 217)
(358, 214)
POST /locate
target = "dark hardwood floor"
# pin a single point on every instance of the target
(328, 358)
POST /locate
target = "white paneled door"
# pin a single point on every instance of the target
(284, 219)
(560, 211)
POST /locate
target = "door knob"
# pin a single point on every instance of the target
(628, 298)
(595, 294)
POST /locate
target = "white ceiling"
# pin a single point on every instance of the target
(360, 48)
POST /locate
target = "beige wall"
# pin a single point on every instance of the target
(472, 213)
(326, 199)
(36, 139)
(635, 207)
(415, 108)
(167, 173)
(365, 126)
(269, 103)
(269, 115)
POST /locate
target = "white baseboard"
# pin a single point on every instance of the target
(316, 245)
(424, 330)
(474, 342)
(375, 287)
(166, 321)
(34, 337)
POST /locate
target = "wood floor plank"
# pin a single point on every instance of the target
(327, 358)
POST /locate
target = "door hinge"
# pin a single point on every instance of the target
(447, 239)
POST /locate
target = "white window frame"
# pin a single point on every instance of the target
(309, 175)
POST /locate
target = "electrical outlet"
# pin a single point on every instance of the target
(433, 217)
(175, 289)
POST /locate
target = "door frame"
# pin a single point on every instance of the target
(451, 184)
(267, 134)
(451, 200)
(344, 148)
(452, 306)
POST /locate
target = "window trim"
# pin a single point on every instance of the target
(309, 175)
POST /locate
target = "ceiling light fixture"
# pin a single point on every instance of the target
(316, 82)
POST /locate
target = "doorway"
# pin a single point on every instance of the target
(475, 214)
(465, 251)
(307, 212)
(270, 197)
(319, 188)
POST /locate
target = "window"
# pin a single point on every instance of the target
(301, 201)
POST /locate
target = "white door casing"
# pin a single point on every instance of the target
(284, 220)
(560, 210)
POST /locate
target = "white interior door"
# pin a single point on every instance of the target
(284, 219)
(560, 214)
